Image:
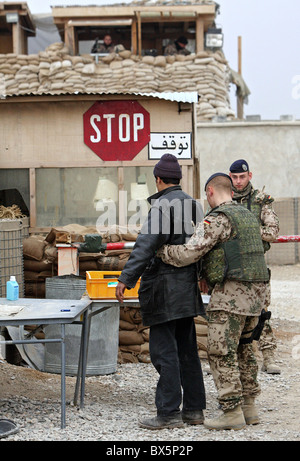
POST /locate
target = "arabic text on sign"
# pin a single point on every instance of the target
(178, 144)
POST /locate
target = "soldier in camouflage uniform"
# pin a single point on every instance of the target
(178, 47)
(106, 47)
(260, 204)
(229, 233)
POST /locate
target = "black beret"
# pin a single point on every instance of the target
(239, 166)
(215, 175)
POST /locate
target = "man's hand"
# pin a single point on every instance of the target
(120, 292)
(203, 286)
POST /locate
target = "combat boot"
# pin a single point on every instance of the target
(162, 422)
(230, 419)
(269, 365)
(192, 416)
(250, 411)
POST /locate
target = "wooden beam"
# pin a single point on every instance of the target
(240, 102)
(122, 198)
(199, 34)
(113, 11)
(169, 19)
(139, 34)
(16, 37)
(32, 194)
(104, 22)
(97, 163)
(134, 36)
(70, 39)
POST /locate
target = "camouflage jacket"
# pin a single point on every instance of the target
(261, 204)
(172, 49)
(102, 48)
(244, 298)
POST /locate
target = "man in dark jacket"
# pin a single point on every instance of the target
(170, 299)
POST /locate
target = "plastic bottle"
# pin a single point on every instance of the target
(12, 289)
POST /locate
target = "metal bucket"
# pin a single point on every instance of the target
(104, 338)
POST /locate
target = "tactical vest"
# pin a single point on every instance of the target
(254, 203)
(242, 256)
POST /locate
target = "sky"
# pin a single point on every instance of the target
(270, 35)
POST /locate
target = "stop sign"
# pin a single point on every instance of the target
(116, 130)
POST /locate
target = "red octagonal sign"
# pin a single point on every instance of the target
(116, 130)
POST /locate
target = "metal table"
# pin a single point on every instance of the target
(45, 312)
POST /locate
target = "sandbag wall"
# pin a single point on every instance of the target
(41, 257)
(54, 71)
(133, 336)
(39, 263)
(201, 335)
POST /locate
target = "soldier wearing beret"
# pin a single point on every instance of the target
(259, 203)
(228, 242)
(170, 299)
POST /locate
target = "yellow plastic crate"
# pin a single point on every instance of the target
(102, 285)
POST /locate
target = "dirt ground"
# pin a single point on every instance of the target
(280, 398)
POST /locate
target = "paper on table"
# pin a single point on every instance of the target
(10, 310)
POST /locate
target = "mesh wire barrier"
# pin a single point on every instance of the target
(288, 211)
(11, 254)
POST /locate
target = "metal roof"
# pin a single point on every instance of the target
(187, 96)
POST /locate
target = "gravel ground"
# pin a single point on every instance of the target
(114, 403)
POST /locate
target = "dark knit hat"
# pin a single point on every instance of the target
(239, 166)
(214, 176)
(168, 167)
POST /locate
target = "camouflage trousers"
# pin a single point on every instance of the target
(267, 339)
(234, 367)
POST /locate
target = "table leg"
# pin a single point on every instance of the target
(63, 377)
(82, 364)
(79, 370)
(86, 337)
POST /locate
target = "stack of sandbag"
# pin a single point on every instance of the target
(133, 336)
(55, 71)
(19, 73)
(37, 265)
(41, 255)
(111, 260)
(201, 336)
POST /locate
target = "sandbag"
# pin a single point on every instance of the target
(130, 314)
(33, 248)
(105, 263)
(130, 337)
(37, 266)
(123, 325)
